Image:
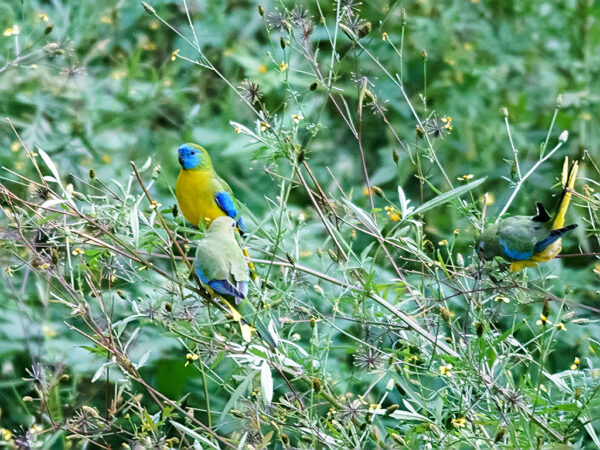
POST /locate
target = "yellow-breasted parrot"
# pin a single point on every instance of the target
(525, 240)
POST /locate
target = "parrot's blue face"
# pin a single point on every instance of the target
(189, 157)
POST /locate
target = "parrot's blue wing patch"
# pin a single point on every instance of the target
(545, 243)
(225, 202)
(518, 256)
(224, 287)
(554, 235)
(201, 274)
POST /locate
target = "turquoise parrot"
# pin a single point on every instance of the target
(221, 265)
(527, 241)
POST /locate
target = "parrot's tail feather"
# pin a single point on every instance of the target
(553, 236)
(569, 175)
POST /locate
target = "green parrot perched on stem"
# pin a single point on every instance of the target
(525, 240)
(222, 266)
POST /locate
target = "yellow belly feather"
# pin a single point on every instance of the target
(196, 196)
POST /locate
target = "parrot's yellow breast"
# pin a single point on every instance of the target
(196, 196)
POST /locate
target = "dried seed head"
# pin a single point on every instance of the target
(261, 11)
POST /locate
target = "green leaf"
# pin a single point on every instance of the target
(446, 197)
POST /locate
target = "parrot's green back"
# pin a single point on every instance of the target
(219, 255)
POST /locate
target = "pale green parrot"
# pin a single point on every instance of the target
(222, 266)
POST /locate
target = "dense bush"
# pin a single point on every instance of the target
(369, 143)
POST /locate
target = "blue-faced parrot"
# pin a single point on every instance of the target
(525, 240)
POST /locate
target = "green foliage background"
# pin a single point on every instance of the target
(101, 88)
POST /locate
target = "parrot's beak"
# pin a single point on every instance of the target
(181, 160)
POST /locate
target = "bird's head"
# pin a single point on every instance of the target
(222, 224)
(192, 156)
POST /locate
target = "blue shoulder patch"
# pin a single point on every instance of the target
(545, 243)
(513, 254)
(201, 274)
(225, 202)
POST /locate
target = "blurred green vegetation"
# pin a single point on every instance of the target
(99, 84)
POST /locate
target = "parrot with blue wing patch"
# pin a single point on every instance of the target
(525, 240)
(221, 265)
(201, 193)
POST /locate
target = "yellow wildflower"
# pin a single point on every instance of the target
(264, 125)
(446, 370)
(43, 17)
(106, 159)
(77, 251)
(191, 357)
(543, 321)
(575, 364)
(461, 422)
(174, 55)
(384, 36)
(262, 69)
(468, 46)
(443, 242)
(105, 19)
(392, 212)
(15, 146)
(283, 66)
(466, 177)
(153, 25)
(561, 326)
(12, 31)
(5, 434)
(297, 117)
(502, 298)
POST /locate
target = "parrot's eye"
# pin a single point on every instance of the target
(233, 224)
(193, 152)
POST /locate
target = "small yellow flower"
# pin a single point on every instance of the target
(43, 17)
(446, 370)
(264, 126)
(5, 434)
(168, 82)
(153, 25)
(461, 422)
(154, 204)
(456, 231)
(384, 36)
(237, 130)
(191, 357)
(297, 117)
(502, 298)
(262, 69)
(468, 46)
(283, 66)
(443, 242)
(543, 321)
(106, 159)
(305, 253)
(44, 266)
(174, 55)
(105, 19)
(31, 155)
(561, 326)
(15, 146)
(466, 177)
(35, 428)
(575, 364)
(77, 251)
(392, 212)
(12, 31)
(448, 122)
